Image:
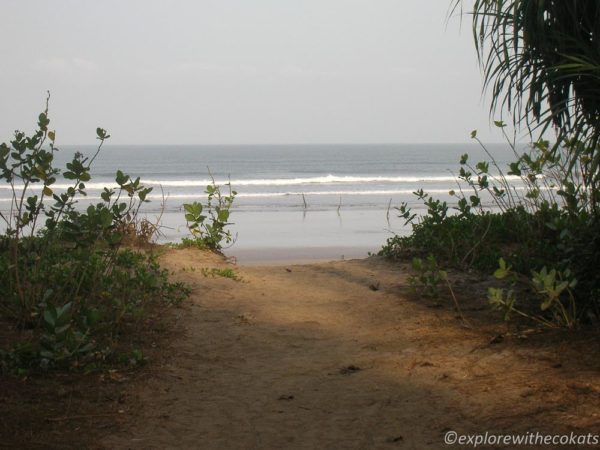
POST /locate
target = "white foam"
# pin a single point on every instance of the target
(200, 196)
(328, 179)
(324, 180)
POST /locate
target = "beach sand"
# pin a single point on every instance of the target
(339, 355)
(276, 256)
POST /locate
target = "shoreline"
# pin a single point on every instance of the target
(279, 256)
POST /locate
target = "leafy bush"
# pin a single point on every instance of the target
(64, 271)
(553, 289)
(549, 231)
(207, 223)
(426, 276)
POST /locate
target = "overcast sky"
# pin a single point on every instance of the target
(241, 71)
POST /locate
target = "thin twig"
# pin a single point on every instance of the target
(465, 322)
(80, 417)
(387, 214)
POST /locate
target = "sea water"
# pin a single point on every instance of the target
(294, 201)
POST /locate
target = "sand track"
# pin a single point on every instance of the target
(336, 356)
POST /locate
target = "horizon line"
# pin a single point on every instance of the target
(305, 144)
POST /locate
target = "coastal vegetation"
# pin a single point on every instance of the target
(224, 273)
(208, 223)
(70, 287)
(541, 241)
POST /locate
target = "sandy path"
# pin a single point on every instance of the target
(311, 357)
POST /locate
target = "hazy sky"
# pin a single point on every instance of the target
(241, 71)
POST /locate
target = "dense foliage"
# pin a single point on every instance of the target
(63, 269)
(541, 61)
(546, 233)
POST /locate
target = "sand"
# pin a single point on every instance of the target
(339, 355)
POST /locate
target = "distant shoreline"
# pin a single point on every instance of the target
(277, 256)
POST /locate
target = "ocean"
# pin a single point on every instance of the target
(294, 202)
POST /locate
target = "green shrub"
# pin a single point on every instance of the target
(225, 273)
(64, 271)
(549, 229)
(554, 290)
(208, 223)
(426, 276)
